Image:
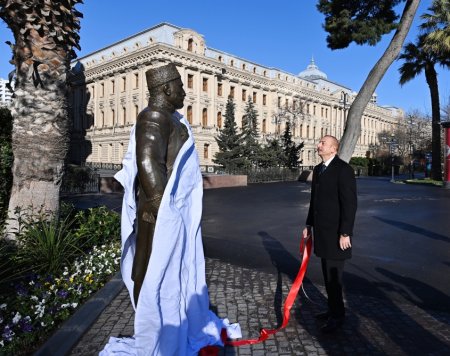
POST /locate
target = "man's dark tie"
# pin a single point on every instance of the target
(322, 168)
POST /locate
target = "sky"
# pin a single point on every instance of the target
(283, 34)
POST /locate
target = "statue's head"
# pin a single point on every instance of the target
(164, 84)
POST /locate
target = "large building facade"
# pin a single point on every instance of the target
(5, 93)
(109, 90)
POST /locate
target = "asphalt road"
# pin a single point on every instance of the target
(401, 247)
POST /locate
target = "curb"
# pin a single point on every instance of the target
(71, 331)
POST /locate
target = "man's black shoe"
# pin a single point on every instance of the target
(322, 316)
(332, 325)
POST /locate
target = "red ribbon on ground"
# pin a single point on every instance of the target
(289, 302)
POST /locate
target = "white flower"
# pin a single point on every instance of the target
(2, 306)
(74, 305)
(16, 318)
(2, 343)
(34, 298)
(31, 283)
(42, 323)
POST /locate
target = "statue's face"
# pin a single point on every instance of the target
(177, 93)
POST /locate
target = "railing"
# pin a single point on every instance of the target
(79, 186)
(102, 165)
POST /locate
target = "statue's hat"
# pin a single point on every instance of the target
(161, 75)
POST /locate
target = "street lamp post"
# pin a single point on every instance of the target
(392, 142)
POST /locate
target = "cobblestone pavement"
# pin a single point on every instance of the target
(254, 299)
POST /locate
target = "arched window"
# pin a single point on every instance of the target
(263, 129)
(189, 114)
(190, 43)
(136, 112)
(243, 66)
(232, 63)
(307, 131)
(113, 116)
(205, 118)
(205, 151)
(219, 120)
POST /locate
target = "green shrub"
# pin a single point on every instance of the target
(97, 226)
(46, 242)
(359, 161)
(6, 161)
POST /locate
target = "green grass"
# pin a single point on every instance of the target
(427, 181)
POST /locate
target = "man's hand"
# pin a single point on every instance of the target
(344, 242)
(307, 233)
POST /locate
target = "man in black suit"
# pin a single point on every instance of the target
(330, 221)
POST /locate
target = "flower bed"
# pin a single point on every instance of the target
(40, 302)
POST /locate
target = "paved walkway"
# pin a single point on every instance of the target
(254, 299)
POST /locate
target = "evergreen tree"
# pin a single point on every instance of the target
(251, 148)
(291, 151)
(270, 154)
(229, 141)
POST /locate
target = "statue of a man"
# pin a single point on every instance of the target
(159, 137)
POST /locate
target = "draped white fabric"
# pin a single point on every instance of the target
(172, 316)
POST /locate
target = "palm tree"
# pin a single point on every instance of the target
(417, 60)
(45, 34)
(437, 27)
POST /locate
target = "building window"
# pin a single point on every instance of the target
(102, 118)
(254, 70)
(232, 63)
(254, 97)
(124, 83)
(307, 108)
(124, 116)
(314, 132)
(321, 132)
(205, 151)
(205, 84)
(307, 131)
(136, 112)
(265, 73)
(93, 92)
(205, 118)
(220, 58)
(219, 89)
(102, 90)
(279, 102)
(190, 82)
(301, 130)
(314, 110)
(189, 114)
(113, 86)
(263, 129)
(243, 66)
(232, 92)
(219, 120)
(136, 80)
(244, 94)
(264, 99)
(190, 43)
(286, 103)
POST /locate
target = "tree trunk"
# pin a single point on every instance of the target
(40, 136)
(353, 126)
(431, 77)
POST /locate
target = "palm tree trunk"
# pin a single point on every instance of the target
(431, 77)
(353, 126)
(40, 137)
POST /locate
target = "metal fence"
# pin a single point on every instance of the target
(74, 186)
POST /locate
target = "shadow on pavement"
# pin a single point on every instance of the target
(414, 229)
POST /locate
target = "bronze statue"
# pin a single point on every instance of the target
(159, 137)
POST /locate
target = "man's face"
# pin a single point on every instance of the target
(177, 93)
(326, 148)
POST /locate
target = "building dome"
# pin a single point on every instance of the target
(312, 72)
